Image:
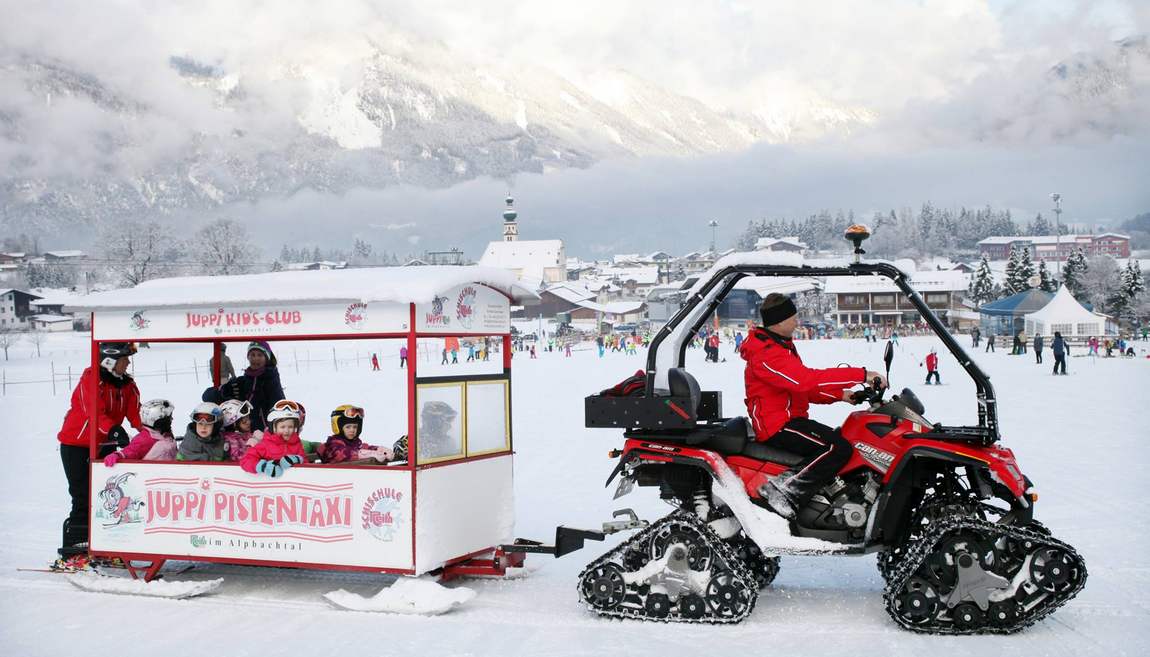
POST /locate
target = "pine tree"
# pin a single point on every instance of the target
(1010, 284)
(1025, 269)
(1047, 282)
(982, 283)
(1130, 288)
(1073, 272)
(1041, 226)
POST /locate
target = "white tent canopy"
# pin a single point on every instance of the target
(1064, 314)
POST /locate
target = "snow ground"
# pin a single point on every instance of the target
(1078, 437)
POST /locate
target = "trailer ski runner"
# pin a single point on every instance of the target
(948, 511)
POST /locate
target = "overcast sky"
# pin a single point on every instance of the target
(957, 86)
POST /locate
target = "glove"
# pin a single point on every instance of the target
(112, 459)
(117, 435)
(233, 389)
(269, 468)
(290, 460)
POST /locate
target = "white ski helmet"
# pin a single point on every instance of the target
(206, 408)
(233, 410)
(284, 410)
(154, 410)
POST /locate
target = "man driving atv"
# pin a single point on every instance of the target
(779, 390)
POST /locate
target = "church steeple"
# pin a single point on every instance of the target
(510, 227)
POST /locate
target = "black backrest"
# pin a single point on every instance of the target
(684, 385)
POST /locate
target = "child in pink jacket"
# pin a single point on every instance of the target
(155, 441)
(280, 448)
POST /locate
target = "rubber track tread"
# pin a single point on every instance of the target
(718, 546)
(935, 533)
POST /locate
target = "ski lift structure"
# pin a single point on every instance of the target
(448, 510)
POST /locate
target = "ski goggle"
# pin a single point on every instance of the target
(244, 410)
(353, 412)
(288, 405)
(204, 418)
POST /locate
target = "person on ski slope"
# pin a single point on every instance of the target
(932, 367)
(280, 448)
(779, 390)
(237, 428)
(259, 385)
(1060, 349)
(1039, 343)
(154, 442)
(117, 399)
(203, 439)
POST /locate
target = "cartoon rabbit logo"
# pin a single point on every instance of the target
(117, 505)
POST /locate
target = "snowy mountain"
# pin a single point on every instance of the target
(377, 116)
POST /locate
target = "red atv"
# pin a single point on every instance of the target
(949, 513)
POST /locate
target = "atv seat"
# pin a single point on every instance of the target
(732, 437)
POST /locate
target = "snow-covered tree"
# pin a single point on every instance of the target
(1130, 287)
(37, 339)
(1072, 273)
(224, 247)
(1019, 269)
(8, 337)
(1046, 279)
(1101, 284)
(1040, 226)
(138, 251)
(981, 288)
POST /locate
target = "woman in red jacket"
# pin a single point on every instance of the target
(117, 398)
(779, 391)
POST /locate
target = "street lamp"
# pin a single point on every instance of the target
(714, 227)
(1057, 198)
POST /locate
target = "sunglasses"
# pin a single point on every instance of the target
(205, 419)
(288, 404)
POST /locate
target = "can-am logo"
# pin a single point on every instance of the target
(465, 307)
(356, 315)
(875, 457)
(382, 513)
(436, 316)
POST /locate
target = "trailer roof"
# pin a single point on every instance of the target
(375, 284)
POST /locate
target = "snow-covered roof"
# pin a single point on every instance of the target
(1063, 308)
(1048, 239)
(922, 281)
(641, 275)
(4, 291)
(572, 293)
(386, 284)
(524, 254)
(764, 285)
(768, 242)
(782, 259)
(65, 254)
(51, 319)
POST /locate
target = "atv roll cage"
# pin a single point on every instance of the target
(669, 346)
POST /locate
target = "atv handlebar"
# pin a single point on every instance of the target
(871, 392)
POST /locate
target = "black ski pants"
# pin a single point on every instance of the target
(1038, 356)
(932, 373)
(75, 461)
(824, 452)
(1060, 363)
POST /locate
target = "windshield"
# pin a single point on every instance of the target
(901, 406)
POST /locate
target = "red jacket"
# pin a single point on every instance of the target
(112, 405)
(273, 448)
(931, 362)
(780, 387)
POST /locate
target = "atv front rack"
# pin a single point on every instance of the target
(965, 434)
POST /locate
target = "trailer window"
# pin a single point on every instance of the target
(488, 417)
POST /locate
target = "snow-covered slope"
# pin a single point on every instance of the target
(1089, 479)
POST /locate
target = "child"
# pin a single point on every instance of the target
(280, 448)
(202, 440)
(237, 423)
(932, 367)
(345, 443)
(155, 441)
